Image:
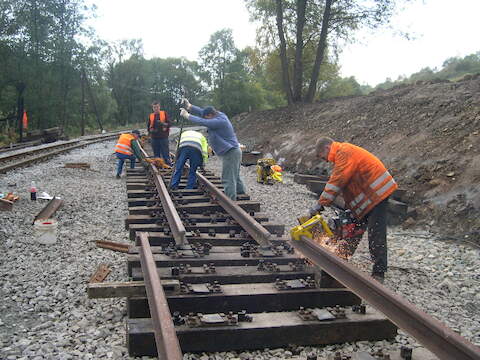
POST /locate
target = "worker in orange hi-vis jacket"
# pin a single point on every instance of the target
(365, 184)
(124, 150)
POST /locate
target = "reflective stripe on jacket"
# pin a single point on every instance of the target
(124, 144)
(360, 176)
(161, 116)
(197, 140)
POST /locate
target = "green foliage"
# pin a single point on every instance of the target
(454, 68)
(314, 37)
(137, 82)
(39, 52)
(341, 87)
(231, 75)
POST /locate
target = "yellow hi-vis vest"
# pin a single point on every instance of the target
(124, 144)
(197, 140)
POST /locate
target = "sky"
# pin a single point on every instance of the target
(439, 29)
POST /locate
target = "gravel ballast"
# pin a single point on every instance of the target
(45, 312)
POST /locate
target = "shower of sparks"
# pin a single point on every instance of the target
(340, 248)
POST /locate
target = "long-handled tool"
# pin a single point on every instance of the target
(182, 123)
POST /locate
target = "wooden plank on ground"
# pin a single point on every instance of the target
(77, 165)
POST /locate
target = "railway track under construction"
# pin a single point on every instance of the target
(210, 274)
(29, 156)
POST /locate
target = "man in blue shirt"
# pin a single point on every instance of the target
(224, 143)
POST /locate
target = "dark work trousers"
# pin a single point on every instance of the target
(376, 223)
(194, 156)
(121, 159)
(161, 150)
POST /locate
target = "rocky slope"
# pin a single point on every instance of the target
(427, 134)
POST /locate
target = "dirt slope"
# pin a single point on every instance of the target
(427, 134)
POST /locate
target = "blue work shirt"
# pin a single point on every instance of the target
(221, 135)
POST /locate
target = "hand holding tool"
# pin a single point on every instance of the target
(186, 103)
(316, 209)
(184, 113)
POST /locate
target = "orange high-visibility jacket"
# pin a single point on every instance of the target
(360, 176)
(124, 144)
(162, 116)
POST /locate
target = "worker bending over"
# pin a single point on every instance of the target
(224, 143)
(365, 184)
(192, 147)
(124, 150)
(158, 126)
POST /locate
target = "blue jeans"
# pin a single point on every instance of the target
(121, 159)
(161, 150)
(232, 183)
(195, 159)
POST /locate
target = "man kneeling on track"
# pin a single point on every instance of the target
(124, 150)
(365, 184)
(194, 148)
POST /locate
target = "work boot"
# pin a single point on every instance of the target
(379, 276)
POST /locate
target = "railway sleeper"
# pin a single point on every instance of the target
(181, 201)
(197, 208)
(211, 229)
(158, 238)
(148, 192)
(274, 329)
(254, 298)
(193, 218)
(229, 259)
(205, 273)
(246, 250)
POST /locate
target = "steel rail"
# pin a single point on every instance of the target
(168, 347)
(247, 222)
(49, 209)
(15, 165)
(173, 218)
(171, 213)
(435, 336)
(11, 157)
(93, 138)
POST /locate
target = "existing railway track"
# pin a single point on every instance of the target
(29, 156)
(215, 275)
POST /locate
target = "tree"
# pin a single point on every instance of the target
(299, 24)
(216, 56)
(227, 72)
(40, 53)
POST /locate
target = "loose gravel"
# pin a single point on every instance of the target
(46, 314)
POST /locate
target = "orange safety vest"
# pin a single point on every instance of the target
(162, 116)
(360, 176)
(124, 144)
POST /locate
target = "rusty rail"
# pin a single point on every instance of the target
(111, 245)
(14, 165)
(435, 336)
(168, 347)
(49, 209)
(251, 226)
(176, 224)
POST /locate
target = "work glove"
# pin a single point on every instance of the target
(184, 113)
(186, 103)
(315, 210)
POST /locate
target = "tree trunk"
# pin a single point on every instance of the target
(82, 123)
(322, 44)
(92, 99)
(283, 53)
(20, 108)
(298, 66)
